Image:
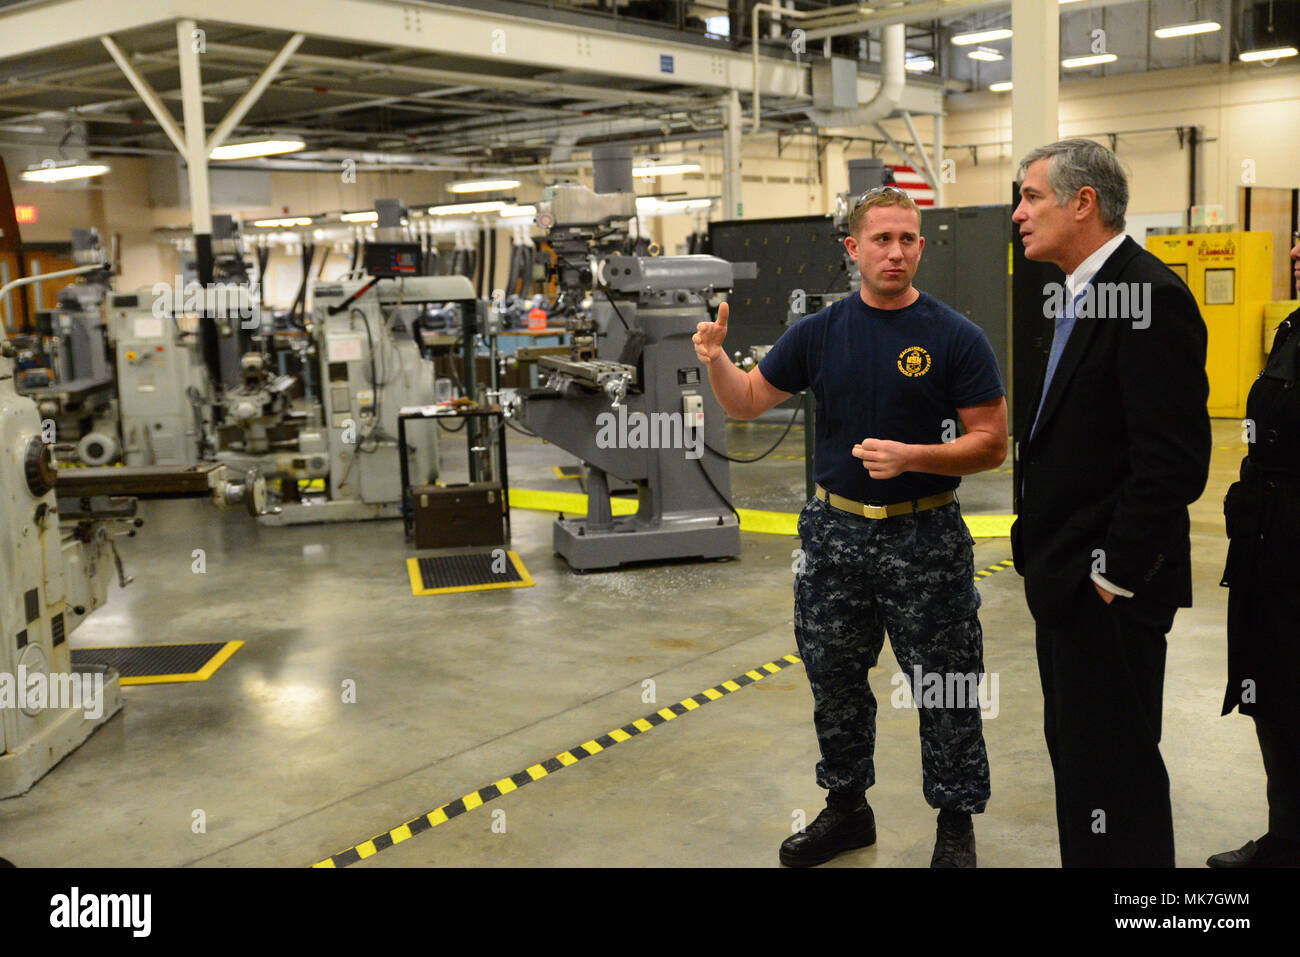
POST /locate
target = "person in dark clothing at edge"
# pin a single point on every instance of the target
(1262, 515)
(885, 547)
(1118, 447)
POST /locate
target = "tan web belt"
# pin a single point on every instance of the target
(883, 511)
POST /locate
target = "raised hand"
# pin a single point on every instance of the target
(709, 335)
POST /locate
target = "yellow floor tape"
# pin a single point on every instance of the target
(751, 520)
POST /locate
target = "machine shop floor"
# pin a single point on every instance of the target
(455, 692)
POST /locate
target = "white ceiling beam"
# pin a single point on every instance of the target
(253, 93)
(148, 95)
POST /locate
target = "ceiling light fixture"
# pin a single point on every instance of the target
(667, 169)
(1003, 87)
(1188, 29)
(985, 54)
(1075, 62)
(980, 36)
(284, 223)
(920, 64)
(61, 173)
(1276, 53)
(482, 185)
(238, 151)
(455, 209)
(369, 216)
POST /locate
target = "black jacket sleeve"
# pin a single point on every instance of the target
(1163, 394)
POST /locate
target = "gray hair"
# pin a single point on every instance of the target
(1076, 163)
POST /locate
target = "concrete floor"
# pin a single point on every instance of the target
(455, 692)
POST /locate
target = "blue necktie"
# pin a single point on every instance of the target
(1064, 326)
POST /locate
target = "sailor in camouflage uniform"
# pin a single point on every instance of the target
(885, 548)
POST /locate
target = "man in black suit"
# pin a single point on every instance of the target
(1117, 448)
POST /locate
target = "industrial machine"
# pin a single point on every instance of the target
(366, 338)
(1231, 276)
(56, 558)
(163, 386)
(57, 530)
(630, 362)
(66, 365)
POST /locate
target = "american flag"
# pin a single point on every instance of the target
(914, 185)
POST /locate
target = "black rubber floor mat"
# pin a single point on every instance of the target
(478, 571)
(161, 664)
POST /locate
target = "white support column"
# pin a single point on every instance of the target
(253, 93)
(938, 159)
(732, 202)
(196, 146)
(1035, 74)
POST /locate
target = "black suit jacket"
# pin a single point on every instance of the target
(1120, 449)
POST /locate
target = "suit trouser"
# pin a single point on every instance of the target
(1279, 744)
(1102, 670)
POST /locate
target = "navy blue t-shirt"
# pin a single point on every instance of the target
(897, 374)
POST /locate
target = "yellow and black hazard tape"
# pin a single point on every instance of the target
(441, 815)
(994, 569)
(404, 832)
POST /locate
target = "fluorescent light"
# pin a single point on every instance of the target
(1064, 2)
(984, 53)
(1003, 87)
(481, 185)
(1250, 56)
(239, 151)
(1187, 29)
(518, 211)
(1072, 63)
(920, 64)
(61, 174)
(282, 223)
(667, 169)
(652, 204)
(981, 36)
(369, 216)
(454, 209)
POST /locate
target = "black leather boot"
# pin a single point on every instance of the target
(844, 824)
(954, 842)
(1268, 851)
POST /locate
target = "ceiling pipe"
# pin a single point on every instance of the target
(892, 79)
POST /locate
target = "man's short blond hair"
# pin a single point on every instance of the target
(880, 196)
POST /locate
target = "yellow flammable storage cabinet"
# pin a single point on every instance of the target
(1231, 276)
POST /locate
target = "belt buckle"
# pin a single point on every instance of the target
(875, 511)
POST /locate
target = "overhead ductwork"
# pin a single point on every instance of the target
(893, 49)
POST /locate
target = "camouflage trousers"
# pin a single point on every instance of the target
(913, 576)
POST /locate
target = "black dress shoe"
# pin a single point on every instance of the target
(839, 827)
(954, 842)
(1268, 851)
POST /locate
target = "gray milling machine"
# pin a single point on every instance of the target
(631, 362)
(72, 377)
